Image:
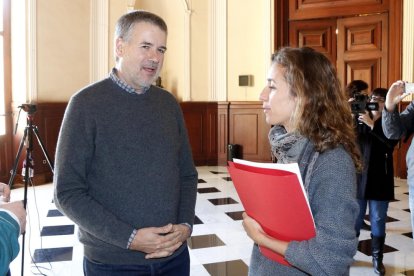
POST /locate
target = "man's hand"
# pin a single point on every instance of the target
(159, 242)
(395, 95)
(4, 193)
(17, 208)
(366, 119)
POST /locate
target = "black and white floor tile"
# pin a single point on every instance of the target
(218, 247)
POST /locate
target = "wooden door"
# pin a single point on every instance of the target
(363, 50)
(248, 128)
(369, 40)
(317, 34)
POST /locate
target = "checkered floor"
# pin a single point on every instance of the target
(219, 245)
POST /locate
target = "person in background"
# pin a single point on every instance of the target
(158, 82)
(12, 224)
(358, 89)
(124, 170)
(401, 125)
(304, 102)
(378, 189)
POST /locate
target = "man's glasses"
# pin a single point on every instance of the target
(377, 99)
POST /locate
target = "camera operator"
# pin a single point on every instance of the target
(377, 187)
(358, 95)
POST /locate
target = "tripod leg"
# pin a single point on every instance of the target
(16, 161)
(26, 178)
(36, 132)
(29, 149)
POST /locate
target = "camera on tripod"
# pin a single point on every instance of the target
(361, 103)
(29, 108)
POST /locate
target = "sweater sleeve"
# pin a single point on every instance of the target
(334, 207)
(188, 177)
(9, 244)
(74, 153)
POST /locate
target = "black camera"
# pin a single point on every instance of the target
(29, 108)
(361, 103)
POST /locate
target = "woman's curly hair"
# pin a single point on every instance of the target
(323, 113)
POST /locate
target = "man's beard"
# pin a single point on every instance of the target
(147, 84)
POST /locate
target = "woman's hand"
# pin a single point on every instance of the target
(259, 236)
(253, 229)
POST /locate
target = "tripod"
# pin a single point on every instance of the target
(28, 134)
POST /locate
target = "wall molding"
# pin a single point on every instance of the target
(99, 43)
(268, 33)
(218, 54)
(408, 44)
(187, 51)
(32, 50)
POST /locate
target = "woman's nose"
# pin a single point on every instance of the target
(264, 94)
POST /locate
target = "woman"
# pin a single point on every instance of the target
(378, 189)
(313, 126)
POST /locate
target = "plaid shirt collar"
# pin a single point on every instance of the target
(126, 87)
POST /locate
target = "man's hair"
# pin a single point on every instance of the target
(322, 113)
(126, 22)
(380, 92)
(356, 86)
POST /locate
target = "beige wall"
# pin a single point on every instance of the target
(116, 9)
(245, 40)
(245, 48)
(200, 53)
(173, 73)
(172, 11)
(63, 51)
(62, 48)
(19, 55)
(53, 62)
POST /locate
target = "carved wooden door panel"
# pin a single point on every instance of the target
(362, 51)
(359, 49)
(317, 34)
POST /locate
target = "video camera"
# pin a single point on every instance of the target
(29, 108)
(361, 103)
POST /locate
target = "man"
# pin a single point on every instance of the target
(397, 125)
(12, 224)
(124, 171)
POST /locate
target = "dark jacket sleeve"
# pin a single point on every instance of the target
(397, 125)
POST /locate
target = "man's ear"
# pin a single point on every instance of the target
(119, 47)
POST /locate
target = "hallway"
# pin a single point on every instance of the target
(219, 245)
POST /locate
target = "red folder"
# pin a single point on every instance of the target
(275, 198)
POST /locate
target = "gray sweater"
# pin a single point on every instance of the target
(123, 162)
(332, 199)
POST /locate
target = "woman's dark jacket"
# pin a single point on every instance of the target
(377, 180)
